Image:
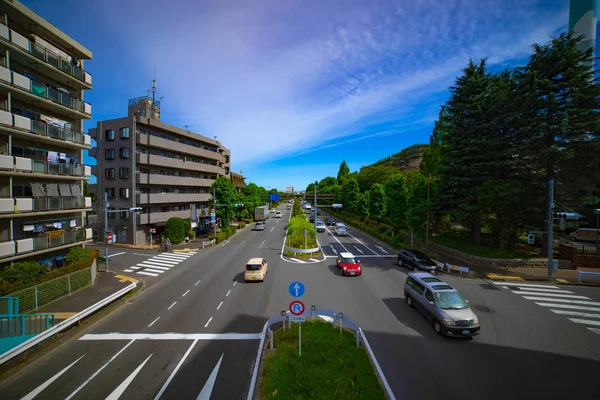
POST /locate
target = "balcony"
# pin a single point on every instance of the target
(24, 127)
(15, 165)
(172, 145)
(170, 180)
(58, 67)
(27, 205)
(33, 89)
(163, 198)
(49, 240)
(157, 217)
(160, 161)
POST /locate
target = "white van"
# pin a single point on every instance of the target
(585, 235)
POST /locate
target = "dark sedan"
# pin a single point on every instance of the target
(416, 261)
(330, 221)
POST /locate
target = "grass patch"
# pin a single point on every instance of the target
(465, 246)
(331, 367)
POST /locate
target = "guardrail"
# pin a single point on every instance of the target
(581, 274)
(302, 251)
(23, 347)
(209, 243)
(329, 316)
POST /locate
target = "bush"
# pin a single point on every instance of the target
(177, 229)
(78, 254)
(220, 236)
(25, 271)
(229, 231)
(296, 228)
(242, 224)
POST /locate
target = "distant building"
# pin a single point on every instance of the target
(238, 181)
(42, 84)
(167, 171)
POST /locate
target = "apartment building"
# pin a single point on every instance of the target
(238, 181)
(42, 84)
(174, 169)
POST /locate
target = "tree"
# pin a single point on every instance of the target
(251, 195)
(326, 185)
(432, 157)
(350, 193)
(86, 192)
(225, 193)
(310, 189)
(395, 199)
(372, 174)
(343, 172)
(377, 206)
(416, 202)
(362, 205)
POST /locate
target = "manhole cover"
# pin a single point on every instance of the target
(483, 309)
(488, 286)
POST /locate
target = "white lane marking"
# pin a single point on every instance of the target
(545, 290)
(585, 303)
(44, 385)
(123, 386)
(196, 284)
(146, 273)
(564, 296)
(502, 283)
(227, 241)
(116, 254)
(155, 267)
(159, 262)
(228, 293)
(243, 242)
(223, 244)
(583, 308)
(179, 364)
(219, 306)
(263, 242)
(156, 271)
(378, 256)
(172, 305)
(382, 249)
(207, 389)
(386, 385)
(333, 248)
(595, 330)
(208, 322)
(171, 336)
(336, 239)
(584, 321)
(140, 254)
(174, 257)
(576, 314)
(330, 256)
(272, 229)
(357, 249)
(135, 267)
(127, 270)
(234, 283)
(88, 380)
(183, 295)
(162, 261)
(313, 259)
(370, 249)
(299, 261)
(153, 322)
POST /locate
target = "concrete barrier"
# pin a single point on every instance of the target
(581, 274)
(209, 243)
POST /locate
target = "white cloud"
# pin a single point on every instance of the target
(268, 77)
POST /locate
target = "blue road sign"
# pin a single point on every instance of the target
(296, 289)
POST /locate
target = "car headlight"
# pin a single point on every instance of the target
(476, 321)
(345, 268)
(358, 269)
(449, 322)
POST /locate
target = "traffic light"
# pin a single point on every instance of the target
(135, 209)
(531, 238)
(566, 215)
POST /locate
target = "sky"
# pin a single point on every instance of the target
(294, 87)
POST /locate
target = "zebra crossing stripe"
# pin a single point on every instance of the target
(582, 302)
(163, 260)
(576, 314)
(568, 306)
(158, 263)
(552, 295)
(528, 285)
(159, 267)
(146, 273)
(585, 321)
(157, 271)
(178, 257)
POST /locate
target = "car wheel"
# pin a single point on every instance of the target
(409, 301)
(437, 327)
(399, 262)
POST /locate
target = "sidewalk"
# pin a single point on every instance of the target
(107, 283)
(193, 245)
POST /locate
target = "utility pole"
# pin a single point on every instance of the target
(106, 229)
(597, 212)
(215, 208)
(427, 226)
(550, 227)
(134, 177)
(316, 183)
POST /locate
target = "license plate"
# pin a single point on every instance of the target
(352, 273)
(466, 332)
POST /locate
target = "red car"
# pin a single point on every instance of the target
(348, 265)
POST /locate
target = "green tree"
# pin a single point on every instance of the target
(362, 205)
(176, 229)
(395, 199)
(86, 192)
(326, 185)
(349, 194)
(225, 193)
(343, 172)
(432, 156)
(377, 206)
(416, 202)
(251, 195)
(310, 189)
(376, 173)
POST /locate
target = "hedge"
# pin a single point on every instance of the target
(177, 229)
(296, 228)
(6, 289)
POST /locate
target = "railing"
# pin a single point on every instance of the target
(56, 132)
(25, 324)
(46, 167)
(58, 62)
(57, 96)
(57, 238)
(58, 203)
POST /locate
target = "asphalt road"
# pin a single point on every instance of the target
(525, 350)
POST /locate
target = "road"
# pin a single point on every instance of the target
(526, 349)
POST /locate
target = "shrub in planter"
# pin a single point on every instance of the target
(24, 272)
(176, 229)
(242, 225)
(78, 254)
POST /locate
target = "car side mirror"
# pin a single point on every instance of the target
(467, 301)
(432, 303)
(358, 261)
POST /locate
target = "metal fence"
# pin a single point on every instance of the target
(37, 296)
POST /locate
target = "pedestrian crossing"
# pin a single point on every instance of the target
(159, 264)
(578, 309)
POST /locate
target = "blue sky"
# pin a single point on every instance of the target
(293, 87)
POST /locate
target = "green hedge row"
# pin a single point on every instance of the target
(225, 233)
(24, 274)
(295, 232)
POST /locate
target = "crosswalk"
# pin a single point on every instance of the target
(159, 264)
(576, 308)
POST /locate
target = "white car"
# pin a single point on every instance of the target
(278, 214)
(272, 210)
(340, 230)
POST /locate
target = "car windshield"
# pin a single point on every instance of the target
(349, 260)
(320, 222)
(253, 267)
(422, 258)
(341, 228)
(450, 301)
(259, 224)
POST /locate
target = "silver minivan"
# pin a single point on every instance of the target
(443, 305)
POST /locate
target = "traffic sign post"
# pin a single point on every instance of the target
(297, 308)
(296, 289)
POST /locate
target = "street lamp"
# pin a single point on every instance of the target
(428, 185)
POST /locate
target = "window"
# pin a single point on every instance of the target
(124, 133)
(429, 296)
(125, 214)
(124, 173)
(110, 192)
(109, 173)
(109, 135)
(419, 288)
(124, 193)
(109, 154)
(124, 152)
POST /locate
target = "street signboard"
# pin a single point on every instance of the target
(212, 210)
(213, 218)
(297, 318)
(153, 230)
(110, 238)
(274, 197)
(296, 289)
(297, 307)
(530, 238)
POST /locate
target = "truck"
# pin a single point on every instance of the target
(261, 213)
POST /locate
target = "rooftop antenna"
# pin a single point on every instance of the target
(154, 91)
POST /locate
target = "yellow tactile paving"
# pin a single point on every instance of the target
(504, 277)
(123, 278)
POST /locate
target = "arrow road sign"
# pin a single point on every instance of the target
(296, 289)
(297, 307)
